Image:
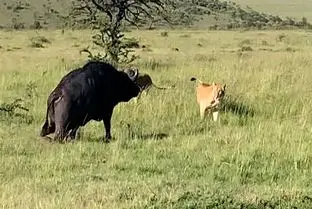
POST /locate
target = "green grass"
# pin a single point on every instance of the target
(168, 158)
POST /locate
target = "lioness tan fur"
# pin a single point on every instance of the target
(145, 82)
(209, 97)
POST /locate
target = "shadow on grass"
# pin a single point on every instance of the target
(131, 135)
(143, 136)
(237, 107)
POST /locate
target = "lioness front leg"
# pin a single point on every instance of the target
(215, 115)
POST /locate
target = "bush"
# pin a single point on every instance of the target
(36, 25)
(246, 48)
(164, 34)
(39, 41)
(15, 111)
(245, 42)
(264, 43)
(281, 37)
(131, 43)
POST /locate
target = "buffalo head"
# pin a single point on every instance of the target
(127, 88)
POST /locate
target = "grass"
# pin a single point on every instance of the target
(168, 158)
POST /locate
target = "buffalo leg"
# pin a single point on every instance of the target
(62, 123)
(70, 134)
(73, 132)
(107, 124)
(47, 129)
(49, 125)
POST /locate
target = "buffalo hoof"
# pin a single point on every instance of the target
(106, 139)
(47, 138)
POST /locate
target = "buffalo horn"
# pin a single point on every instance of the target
(135, 75)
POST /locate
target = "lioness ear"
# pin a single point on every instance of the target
(224, 86)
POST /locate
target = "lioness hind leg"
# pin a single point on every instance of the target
(203, 110)
(215, 116)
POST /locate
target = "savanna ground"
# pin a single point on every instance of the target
(259, 155)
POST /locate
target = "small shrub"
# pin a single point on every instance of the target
(265, 49)
(164, 34)
(10, 108)
(246, 48)
(289, 49)
(31, 90)
(38, 41)
(281, 37)
(16, 48)
(304, 21)
(18, 26)
(185, 36)
(13, 49)
(245, 42)
(264, 43)
(131, 43)
(15, 111)
(41, 39)
(213, 27)
(212, 59)
(147, 50)
(36, 45)
(36, 25)
(76, 45)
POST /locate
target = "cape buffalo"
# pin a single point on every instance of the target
(87, 93)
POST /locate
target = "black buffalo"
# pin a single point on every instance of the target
(87, 93)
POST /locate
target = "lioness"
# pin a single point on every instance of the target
(145, 82)
(209, 97)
